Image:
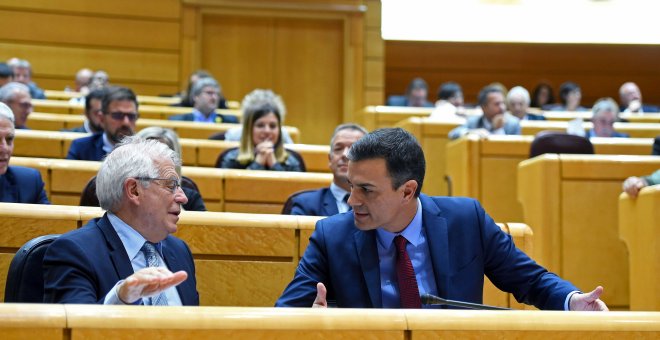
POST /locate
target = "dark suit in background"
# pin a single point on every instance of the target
(22, 185)
(83, 265)
(88, 148)
(315, 203)
(464, 244)
(189, 117)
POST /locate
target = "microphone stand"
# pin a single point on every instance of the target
(428, 299)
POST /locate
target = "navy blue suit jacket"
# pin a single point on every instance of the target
(22, 185)
(190, 117)
(592, 133)
(88, 148)
(531, 116)
(315, 203)
(83, 265)
(464, 244)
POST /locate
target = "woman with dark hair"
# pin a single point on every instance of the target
(261, 145)
(570, 95)
(543, 96)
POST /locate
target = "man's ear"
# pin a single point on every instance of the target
(409, 189)
(132, 190)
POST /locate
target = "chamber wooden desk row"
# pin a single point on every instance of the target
(195, 152)
(572, 202)
(233, 190)
(146, 111)
(241, 259)
(58, 122)
(387, 116)
(138, 322)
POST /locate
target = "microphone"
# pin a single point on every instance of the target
(428, 299)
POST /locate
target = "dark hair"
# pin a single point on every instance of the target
(117, 93)
(402, 154)
(483, 94)
(537, 91)
(5, 71)
(565, 89)
(448, 90)
(263, 111)
(95, 94)
(656, 146)
(417, 83)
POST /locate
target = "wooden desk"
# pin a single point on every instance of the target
(135, 322)
(572, 200)
(486, 169)
(639, 228)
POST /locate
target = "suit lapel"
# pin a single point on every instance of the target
(329, 204)
(8, 188)
(174, 266)
(118, 254)
(368, 257)
(437, 234)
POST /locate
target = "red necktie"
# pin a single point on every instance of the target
(408, 290)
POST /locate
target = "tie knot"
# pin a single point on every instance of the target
(400, 243)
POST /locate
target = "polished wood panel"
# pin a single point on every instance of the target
(639, 228)
(166, 9)
(599, 69)
(24, 321)
(485, 169)
(569, 199)
(73, 29)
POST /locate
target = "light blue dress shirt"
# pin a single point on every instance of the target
(200, 117)
(133, 242)
(339, 194)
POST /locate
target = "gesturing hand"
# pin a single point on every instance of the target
(321, 292)
(588, 302)
(148, 282)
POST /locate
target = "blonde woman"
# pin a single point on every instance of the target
(261, 145)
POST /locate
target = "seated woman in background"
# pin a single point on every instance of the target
(169, 138)
(543, 96)
(570, 96)
(261, 140)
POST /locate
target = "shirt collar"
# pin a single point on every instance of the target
(198, 116)
(412, 232)
(337, 192)
(130, 238)
(107, 145)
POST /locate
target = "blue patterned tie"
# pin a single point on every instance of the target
(149, 250)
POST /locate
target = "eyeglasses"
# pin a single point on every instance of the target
(120, 116)
(172, 183)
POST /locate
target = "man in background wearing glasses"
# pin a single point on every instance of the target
(120, 112)
(17, 97)
(127, 256)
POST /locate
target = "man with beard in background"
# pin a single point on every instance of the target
(120, 112)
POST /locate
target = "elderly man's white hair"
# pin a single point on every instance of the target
(9, 91)
(518, 91)
(6, 113)
(132, 157)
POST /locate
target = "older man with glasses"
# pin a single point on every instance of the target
(120, 112)
(127, 256)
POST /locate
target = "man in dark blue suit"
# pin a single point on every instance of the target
(128, 256)
(206, 95)
(331, 200)
(17, 184)
(120, 112)
(398, 244)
